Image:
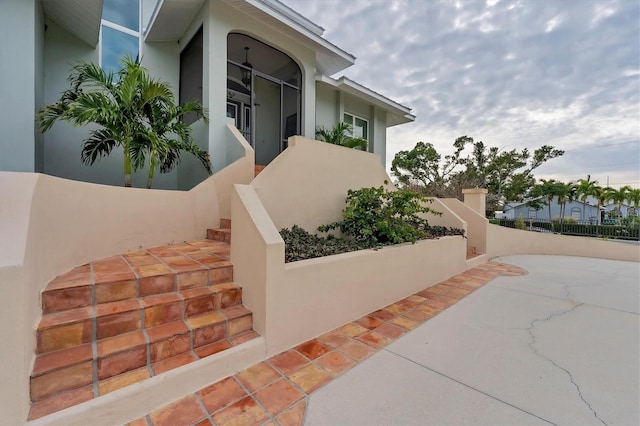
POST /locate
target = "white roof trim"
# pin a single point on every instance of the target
(285, 10)
(330, 58)
(170, 19)
(344, 84)
(80, 17)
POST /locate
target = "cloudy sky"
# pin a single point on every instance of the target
(512, 73)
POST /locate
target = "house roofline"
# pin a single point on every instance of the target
(402, 114)
(331, 59)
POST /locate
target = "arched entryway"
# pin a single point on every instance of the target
(264, 92)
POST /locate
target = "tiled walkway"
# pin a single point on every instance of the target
(276, 391)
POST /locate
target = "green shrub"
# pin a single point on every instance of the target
(520, 223)
(567, 220)
(300, 245)
(375, 216)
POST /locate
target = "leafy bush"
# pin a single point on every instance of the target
(375, 216)
(566, 220)
(300, 245)
(520, 223)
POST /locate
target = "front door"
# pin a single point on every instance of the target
(266, 109)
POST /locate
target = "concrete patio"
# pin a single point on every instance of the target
(557, 346)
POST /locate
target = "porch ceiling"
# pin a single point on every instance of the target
(80, 17)
(171, 18)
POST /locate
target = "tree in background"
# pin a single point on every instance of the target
(508, 175)
(135, 113)
(618, 196)
(585, 188)
(544, 193)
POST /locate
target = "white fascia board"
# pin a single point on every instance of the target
(285, 10)
(349, 86)
(292, 21)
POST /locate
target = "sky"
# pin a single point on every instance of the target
(511, 73)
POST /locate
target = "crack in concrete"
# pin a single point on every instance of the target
(529, 329)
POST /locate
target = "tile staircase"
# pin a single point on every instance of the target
(117, 321)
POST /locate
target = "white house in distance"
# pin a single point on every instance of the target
(257, 62)
(577, 210)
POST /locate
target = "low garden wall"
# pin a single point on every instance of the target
(297, 301)
(503, 241)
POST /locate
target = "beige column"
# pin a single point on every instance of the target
(476, 198)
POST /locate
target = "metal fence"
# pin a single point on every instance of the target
(584, 228)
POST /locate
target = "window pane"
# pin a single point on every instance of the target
(348, 119)
(122, 12)
(115, 45)
(360, 128)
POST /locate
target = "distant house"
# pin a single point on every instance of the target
(256, 63)
(577, 210)
(613, 210)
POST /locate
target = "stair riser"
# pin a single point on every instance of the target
(66, 299)
(223, 235)
(55, 337)
(146, 354)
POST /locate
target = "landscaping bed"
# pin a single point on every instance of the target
(300, 244)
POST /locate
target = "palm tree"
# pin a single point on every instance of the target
(134, 112)
(549, 190)
(618, 196)
(601, 196)
(565, 193)
(584, 189)
(340, 135)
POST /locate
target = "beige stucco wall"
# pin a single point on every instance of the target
(307, 184)
(503, 241)
(50, 225)
(476, 223)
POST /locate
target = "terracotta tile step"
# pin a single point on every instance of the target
(157, 270)
(225, 223)
(155, 350)
(150, 281)
(61, 330)
(219, 234)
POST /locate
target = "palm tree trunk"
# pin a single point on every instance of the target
(127, 166)
(150, 176)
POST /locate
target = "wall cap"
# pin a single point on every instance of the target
(475, 191)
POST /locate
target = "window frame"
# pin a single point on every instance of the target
(122, 29)
(353, 118)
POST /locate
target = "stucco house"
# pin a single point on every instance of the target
(256, 62)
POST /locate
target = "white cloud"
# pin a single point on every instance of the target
(511, 73)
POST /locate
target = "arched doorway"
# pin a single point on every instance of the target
(264, 92)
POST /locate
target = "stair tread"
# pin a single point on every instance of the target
(120, 343)
(65, 317)
(166, 330)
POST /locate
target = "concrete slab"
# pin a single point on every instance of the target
(560, 345)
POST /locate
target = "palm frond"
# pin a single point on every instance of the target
(98, 145)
